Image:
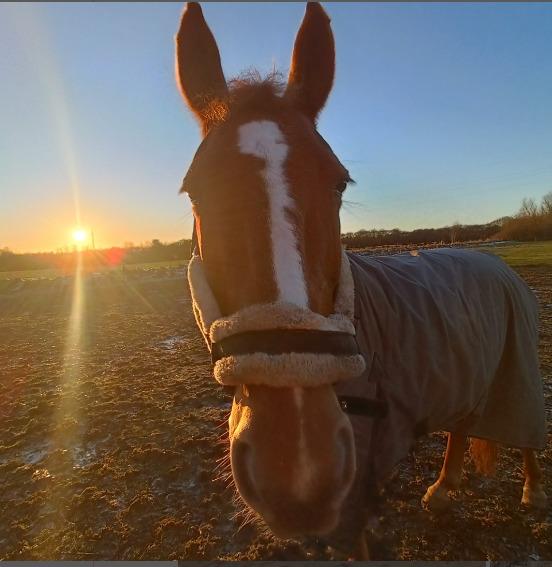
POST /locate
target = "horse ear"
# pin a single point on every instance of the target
(198, 68)
(313, 62)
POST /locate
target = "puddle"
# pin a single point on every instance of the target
(83, 457)
(33, 456)
(171, 343)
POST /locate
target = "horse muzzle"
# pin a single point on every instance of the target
(294, 464)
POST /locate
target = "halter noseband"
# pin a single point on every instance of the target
(283, 341)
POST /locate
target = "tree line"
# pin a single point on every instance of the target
(446, 235)
(532, 222)
(92, 260)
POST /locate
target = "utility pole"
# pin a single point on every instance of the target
(92, 239)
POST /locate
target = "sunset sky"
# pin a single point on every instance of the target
(441, 112)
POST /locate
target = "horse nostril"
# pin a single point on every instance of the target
(241, 457)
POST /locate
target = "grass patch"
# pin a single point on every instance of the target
(155, 265)
(524, 253)
(49, 274)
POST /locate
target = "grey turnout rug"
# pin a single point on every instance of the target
(450, 340)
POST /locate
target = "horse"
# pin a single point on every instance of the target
(336, 361)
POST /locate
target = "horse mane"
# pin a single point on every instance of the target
(251, 91)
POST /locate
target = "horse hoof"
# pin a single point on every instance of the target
(436, 498)
(534, 497)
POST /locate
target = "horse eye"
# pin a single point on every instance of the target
(193, 196)
(340, 188)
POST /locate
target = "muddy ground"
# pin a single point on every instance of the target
(112, 426)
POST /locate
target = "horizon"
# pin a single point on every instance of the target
(440, 112)
(87, 246)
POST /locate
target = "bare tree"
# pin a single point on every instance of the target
(528, 208)
(455, 230)
(546, 204)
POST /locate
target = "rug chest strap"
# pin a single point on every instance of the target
(354, 405)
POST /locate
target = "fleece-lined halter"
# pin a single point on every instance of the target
(280, 344)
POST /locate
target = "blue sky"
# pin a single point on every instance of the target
(441, 112)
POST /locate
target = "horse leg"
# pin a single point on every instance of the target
(362, 552)
(436, 497)
(533, 492)
(367, 535)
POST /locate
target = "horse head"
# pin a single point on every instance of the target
(271, 286)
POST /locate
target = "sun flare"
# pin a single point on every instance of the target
(80, 235)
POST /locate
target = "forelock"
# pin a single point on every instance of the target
(249, 91)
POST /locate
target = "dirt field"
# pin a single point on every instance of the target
(112, 427)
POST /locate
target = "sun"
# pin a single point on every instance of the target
(80, 235)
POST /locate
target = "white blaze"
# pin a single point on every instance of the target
(304, 472)
(264, 139)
